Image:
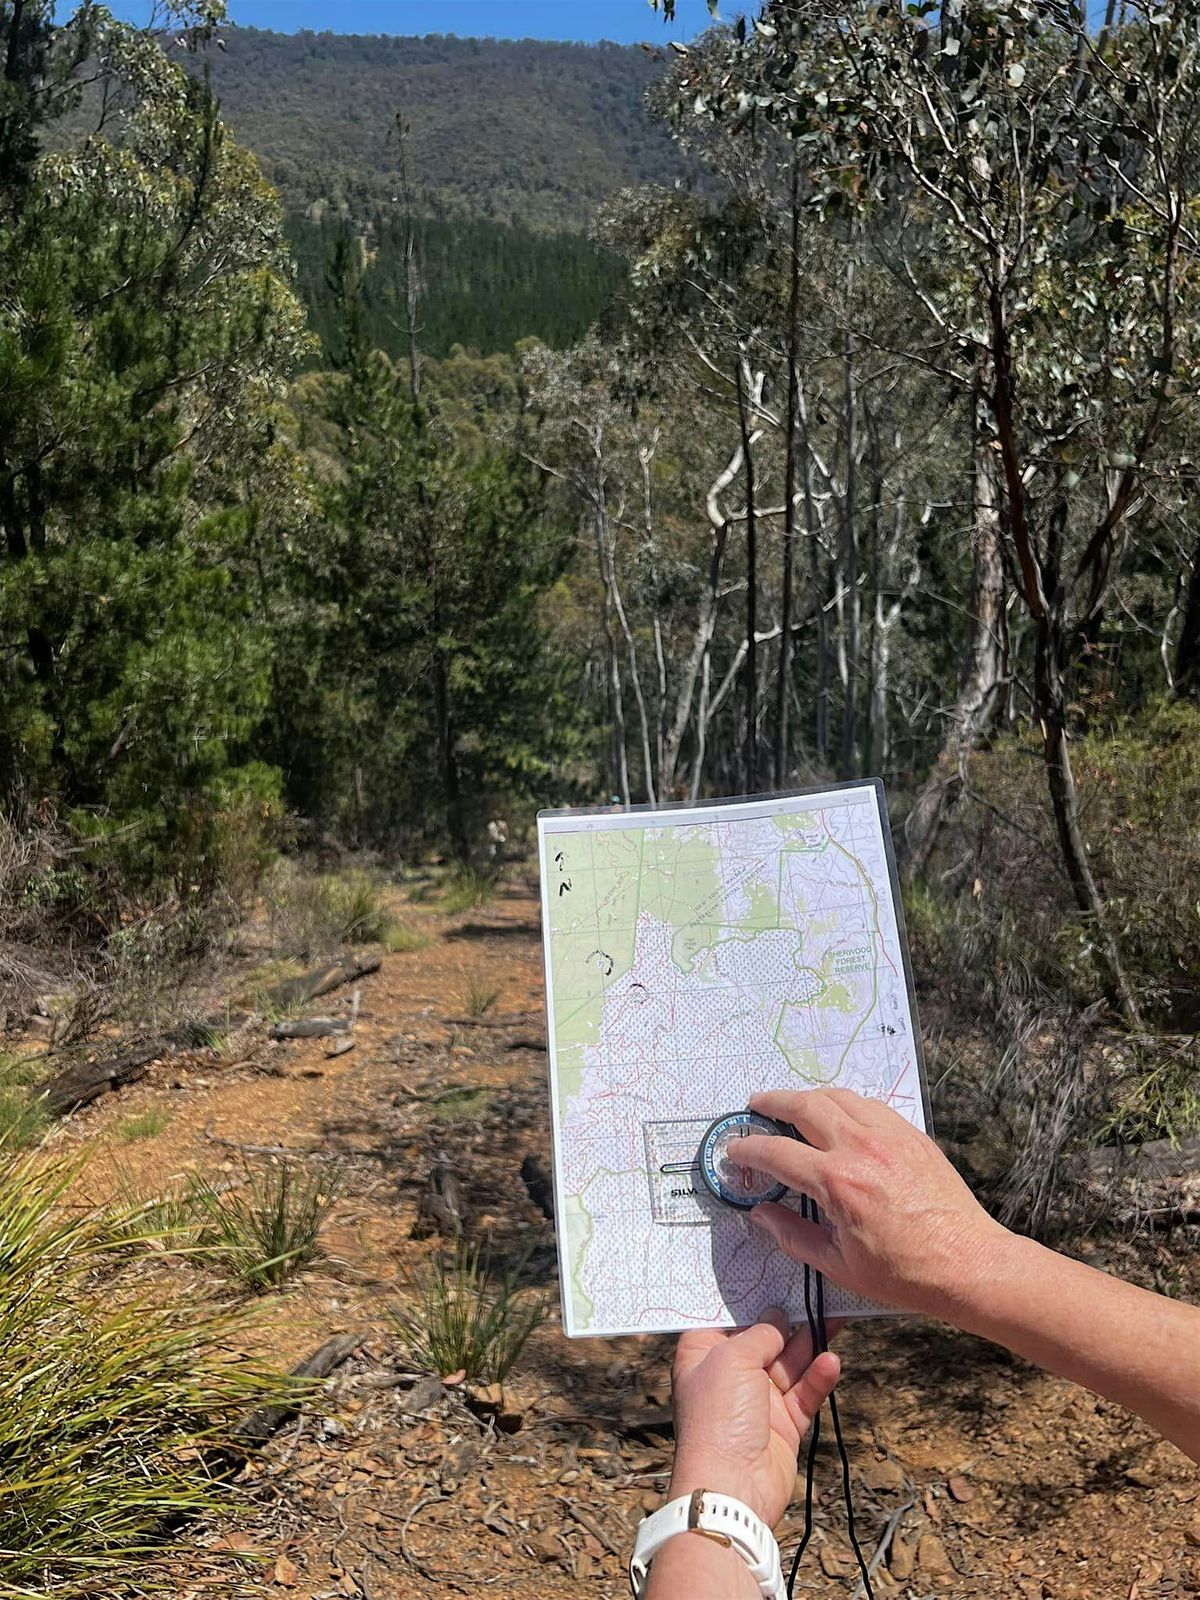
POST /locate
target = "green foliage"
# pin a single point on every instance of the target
(469, 889)
(460, 1105)
(481, 997)
(401, 938)
(501, 129)
(266, 1230)
(312, 913)
(146, 322)
(107, 1410)
(486, 285)
(23, 1119)
(1139, 793)
(469, 1317)
(429, 677)
(145, 1125)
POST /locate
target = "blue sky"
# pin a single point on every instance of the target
(624, 20)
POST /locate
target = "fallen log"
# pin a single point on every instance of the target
(1157, 1158)
(84, 1081)
(516, 1019)
(266, 1421)
(311, 985)
(311, 1028)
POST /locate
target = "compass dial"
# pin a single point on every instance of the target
(724, 1175)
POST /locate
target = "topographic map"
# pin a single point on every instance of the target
(695, 956)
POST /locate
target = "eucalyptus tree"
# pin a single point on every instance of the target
(1051, 171)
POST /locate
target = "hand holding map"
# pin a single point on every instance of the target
(696, 956)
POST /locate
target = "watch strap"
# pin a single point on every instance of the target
(715, 1516)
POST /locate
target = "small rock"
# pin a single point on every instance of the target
(1191, 1534)
(285, 1572)
(491, 1400)
(901, 1558)
(885, 1475)
(546, 1546)
(931, 1555)
(330, 1428)
(836, 1562)
(423, 1394)
(961, 1490)
(1144, 1477)
(484, 1398)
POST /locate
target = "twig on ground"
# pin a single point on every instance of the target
(590, 1525)
(884, 1545)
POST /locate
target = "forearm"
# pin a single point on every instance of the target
(1139, 1349)
(689, 1565)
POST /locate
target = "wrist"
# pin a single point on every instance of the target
(689, 1565)
(981, 1262)
(695, 1470)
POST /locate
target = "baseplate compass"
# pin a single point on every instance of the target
(724, 1175)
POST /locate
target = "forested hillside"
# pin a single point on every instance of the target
(499, 129)
(485, 285)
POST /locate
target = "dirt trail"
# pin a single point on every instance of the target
(1019, 1485)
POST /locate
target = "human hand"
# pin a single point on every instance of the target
(743, 1402)
(898, 1224)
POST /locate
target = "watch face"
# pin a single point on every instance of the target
(724, 1175)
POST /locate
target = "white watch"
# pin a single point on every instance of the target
(716, 1516)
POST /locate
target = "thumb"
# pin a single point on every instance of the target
(804, 1241)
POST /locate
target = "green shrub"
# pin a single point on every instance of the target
(23, 1119)
(108, 1411)
(312, 914)
(1139, 796)
(145, 1125)
(469, 889)
(268, 1229)
(401, 938)
(469, 1318)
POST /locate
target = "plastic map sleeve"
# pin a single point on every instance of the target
(695, 956)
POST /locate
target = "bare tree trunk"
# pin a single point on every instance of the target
(635, 677)
(1043, 591)
(412, 270)
(979, 698)
(698, 659)
(1051, 708)
(782, 761)
(620, 759)
(849, 576)
(1187, 651)
(750, 759)
(817, 583)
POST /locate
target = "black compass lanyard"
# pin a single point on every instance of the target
(814, 1288)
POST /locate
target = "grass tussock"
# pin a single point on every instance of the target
(402, 939)
(469, 1317)
(470, 889)
(312, 914)
(23, 1120)
(481, 997)
(460, 1105)
(143, 1125)
(109, 1412)
(267, 1229)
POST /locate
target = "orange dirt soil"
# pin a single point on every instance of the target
(1016, 1484)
